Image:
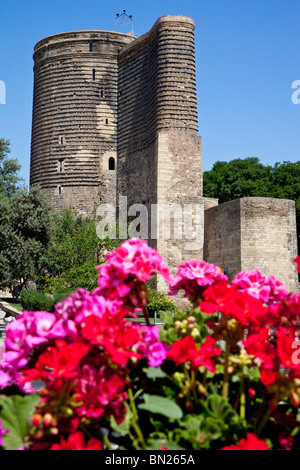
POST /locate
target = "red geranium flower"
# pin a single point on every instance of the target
(184, 350)
(233, 302)
(116, 338)
(58, 361)
(76, 442)
(252, 442)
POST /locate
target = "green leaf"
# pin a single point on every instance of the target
(154, 372)
(15, 414)
(198, 431)
(161, 405)
(124, 427)
(157, 444)
(219, 408)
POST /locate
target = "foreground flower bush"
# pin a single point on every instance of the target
(221, 375)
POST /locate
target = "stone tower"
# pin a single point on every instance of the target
(116, 116)
(159, 150)
(74, 126)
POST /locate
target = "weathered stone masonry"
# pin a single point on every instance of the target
(115, 115)
(74, 129)
(254, 232)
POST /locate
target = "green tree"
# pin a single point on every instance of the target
(9, 168)
(74, 252)
(238, 178)
(24, 234)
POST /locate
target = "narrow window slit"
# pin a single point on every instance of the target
(111, 163)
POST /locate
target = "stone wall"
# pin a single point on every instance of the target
(222, 236)
(254, 233)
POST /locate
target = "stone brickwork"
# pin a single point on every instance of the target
(74, 126)
(222, 241)
(253, 233)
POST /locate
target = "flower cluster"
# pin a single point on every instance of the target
(185, 351)
(84, 350)
(124, 275)
(194, 277)
(266, 288)
(213, 377)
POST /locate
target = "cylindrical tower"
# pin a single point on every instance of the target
(74, 125)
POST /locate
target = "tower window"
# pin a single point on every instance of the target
(91, 47)
(94, 74)
(60, 166)
(59, 190)
(101, 94)
(106, 121)
(61, 140)
(111, 163)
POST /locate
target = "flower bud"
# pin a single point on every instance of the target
(189, 405)
(39, 434)
(36, 419)
(54, 431)
(191, 319)
(201, 389)
(195, 332)
(294, 399)
(48, 419)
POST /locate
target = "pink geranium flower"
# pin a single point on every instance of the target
(194, 277)
(126, 271)
(266, 288)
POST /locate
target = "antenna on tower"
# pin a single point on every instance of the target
(124, 20)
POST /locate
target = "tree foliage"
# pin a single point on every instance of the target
(9, 168)
(24, 234)
(73, 253)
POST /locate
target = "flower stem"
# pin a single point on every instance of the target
(105, 440)
(264, 421)
(186, 374)
(135, 424)
(225, 380)
(193, 384)
(145, 312)
(242, 398)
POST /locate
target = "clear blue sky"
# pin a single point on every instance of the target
(247, 56)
